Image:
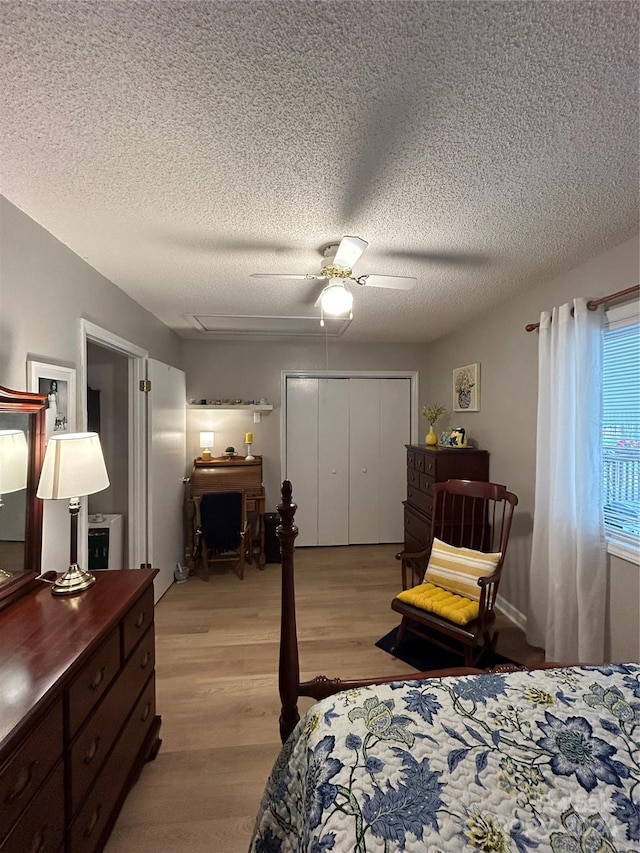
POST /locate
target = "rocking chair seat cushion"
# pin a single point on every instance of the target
(458, 569)
(442, 602)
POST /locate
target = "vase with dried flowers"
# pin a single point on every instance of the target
(433, 412)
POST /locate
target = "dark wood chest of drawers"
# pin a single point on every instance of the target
(77, 711)
(426, 466)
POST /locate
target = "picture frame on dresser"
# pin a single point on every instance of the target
(58, 384)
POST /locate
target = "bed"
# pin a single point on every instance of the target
(513, 759)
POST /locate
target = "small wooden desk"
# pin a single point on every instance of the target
(232, 474)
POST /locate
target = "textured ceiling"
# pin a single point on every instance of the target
(181, 146)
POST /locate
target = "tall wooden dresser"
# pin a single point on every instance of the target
(426, 466)
(77, 711)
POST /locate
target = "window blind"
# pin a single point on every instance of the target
(621, 430)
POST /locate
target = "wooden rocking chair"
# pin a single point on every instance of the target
(449, 589)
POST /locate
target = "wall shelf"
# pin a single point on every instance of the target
(228, 407)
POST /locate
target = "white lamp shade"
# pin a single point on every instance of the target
(335, 298)
(13, 461)
(206, 439)
(73, 466)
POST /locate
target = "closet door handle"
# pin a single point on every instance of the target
(364, 470)
(333, 471)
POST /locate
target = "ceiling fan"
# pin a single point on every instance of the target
(337, 270)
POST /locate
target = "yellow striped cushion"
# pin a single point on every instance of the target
(458, 569)
(440, 601)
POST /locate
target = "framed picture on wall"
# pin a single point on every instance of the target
(466, 388)
(59, 384)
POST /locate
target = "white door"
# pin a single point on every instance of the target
(346, 458)
(302, 454)
(364, 460)
(395, 433)
(333, 462)
(166, 449)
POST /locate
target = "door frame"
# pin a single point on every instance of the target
(411, 375)
(137, 453)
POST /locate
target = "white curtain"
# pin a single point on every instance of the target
(568, 561)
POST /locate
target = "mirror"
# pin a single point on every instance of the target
(21, 511)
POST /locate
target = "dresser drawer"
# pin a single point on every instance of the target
(41, 827)
(425, 483)
(430, 464)
(95, 816)
(93, 680)
(419, 499)
(413, 478)
(95, 740)
(26, 768)
(417, 528)
(136, 622)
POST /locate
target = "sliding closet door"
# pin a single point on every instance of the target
(302, 454)
(364, 460)
(333, 461)
(346, 458)
(395, 419)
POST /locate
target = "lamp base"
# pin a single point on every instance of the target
(73, 580)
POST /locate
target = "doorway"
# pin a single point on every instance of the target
(115, 367)
(108, 415)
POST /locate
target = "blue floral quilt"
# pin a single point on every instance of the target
(546, 760)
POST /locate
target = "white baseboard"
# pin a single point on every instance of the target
(518, 618)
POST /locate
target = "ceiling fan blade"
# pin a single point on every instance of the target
(349, 251)
(394, 282)
(285, 275)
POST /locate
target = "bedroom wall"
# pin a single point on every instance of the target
(251, 370)
(506, 422)
(44, 289)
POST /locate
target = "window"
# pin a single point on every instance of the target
(621, 427)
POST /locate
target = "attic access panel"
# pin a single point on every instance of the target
(247, 325)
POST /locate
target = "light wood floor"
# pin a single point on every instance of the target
(217, 688)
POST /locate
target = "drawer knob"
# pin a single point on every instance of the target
(95, 817)
(140, 619)
(38, 841)
(364, 470)
(25, 778)
(145, 659)
(146, 712)
(98, 678)
(91, 752)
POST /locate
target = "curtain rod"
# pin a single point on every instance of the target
(593, 304)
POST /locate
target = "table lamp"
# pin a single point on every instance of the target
(206, 443)
(73, 466)
(13, 467)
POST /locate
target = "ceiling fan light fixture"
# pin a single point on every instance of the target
(336, 299)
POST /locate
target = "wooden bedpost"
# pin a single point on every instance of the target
(289, 671)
